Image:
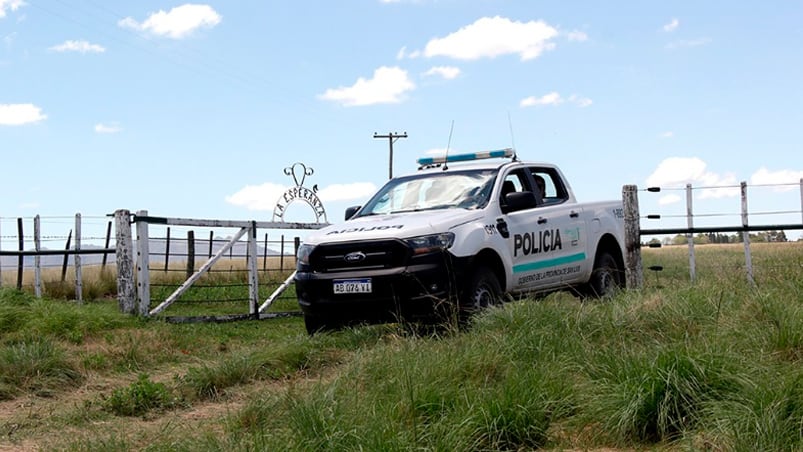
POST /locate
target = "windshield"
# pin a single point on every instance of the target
(468, 189)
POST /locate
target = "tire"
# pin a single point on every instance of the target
(315, 324)
(481, 291)
(606, 277)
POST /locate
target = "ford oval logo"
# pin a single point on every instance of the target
(356, 256)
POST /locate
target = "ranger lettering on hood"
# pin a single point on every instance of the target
(372, 228)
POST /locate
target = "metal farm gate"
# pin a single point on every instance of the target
(133, 258)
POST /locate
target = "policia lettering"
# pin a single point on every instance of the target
(537, 242)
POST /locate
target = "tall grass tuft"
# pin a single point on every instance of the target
(22, 315)
(655, 393)
(140, 397)
(767, 414)
(36, 366)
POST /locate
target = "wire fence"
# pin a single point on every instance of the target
(762, 242)
(52, 256)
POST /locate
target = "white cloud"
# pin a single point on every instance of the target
(108, 128)
(264, 197)
(669, 199)
(78, 46)
(580, 101)
(676, 172)
(785, 180)
(688, 43)
(257, 197)
(672, 25)
(577, 36)
(10, 5)
(19, 114)
(32, 205)
(447, 72)
(490, 37)
(667, 134)
(554, 98)
(388, 86)
(177, 23)
(403, 53)
(437, 152)
(346, 192)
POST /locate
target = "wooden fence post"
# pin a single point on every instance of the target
(124, 256)
(253, 276)
(746, 236)
(634, 272)
(143, 265)
(167, 249)
(190, 253)
(37, 260)
(265, 254)
(690, 236)
(20, 262)
(108, 239)
(66, 259)
(79, 287)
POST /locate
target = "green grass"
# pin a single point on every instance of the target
(709, 365)
(140, 397)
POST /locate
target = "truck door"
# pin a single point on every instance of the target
(572, 261)
(547, 242)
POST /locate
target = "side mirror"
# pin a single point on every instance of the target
(519, 201)
(351, 211)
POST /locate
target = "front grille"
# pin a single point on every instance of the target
(372, 255)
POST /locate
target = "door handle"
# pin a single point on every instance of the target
(541, 220)
(574, 214)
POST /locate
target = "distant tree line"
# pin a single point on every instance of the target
(715, 237)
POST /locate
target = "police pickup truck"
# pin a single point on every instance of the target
(462, 233)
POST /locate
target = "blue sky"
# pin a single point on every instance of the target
(195, 109)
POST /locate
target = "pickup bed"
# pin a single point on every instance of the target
(463, 232)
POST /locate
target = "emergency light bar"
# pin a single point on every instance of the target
(479, 155)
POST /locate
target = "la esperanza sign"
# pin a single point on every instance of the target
(299, 193)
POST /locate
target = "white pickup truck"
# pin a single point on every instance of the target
(462, 232)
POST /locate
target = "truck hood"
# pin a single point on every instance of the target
(399, 225)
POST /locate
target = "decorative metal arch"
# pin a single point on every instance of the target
(299, 193)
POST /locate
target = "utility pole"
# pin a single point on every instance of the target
(392, 137)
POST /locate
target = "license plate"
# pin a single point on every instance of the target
(352, 286)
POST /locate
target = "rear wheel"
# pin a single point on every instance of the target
(606, 277)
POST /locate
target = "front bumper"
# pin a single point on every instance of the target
(418, 291)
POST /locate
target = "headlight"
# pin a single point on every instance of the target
(429, 243)
(302, 257)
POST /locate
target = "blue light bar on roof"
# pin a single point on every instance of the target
(479, 155)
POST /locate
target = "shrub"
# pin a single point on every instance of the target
(139, 398)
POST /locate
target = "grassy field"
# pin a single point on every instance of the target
(713, 365)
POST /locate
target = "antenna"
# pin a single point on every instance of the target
(512, 138)
(449, 143)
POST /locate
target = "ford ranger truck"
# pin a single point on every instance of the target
(462, 233)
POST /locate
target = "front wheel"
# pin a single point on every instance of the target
(315, 324)
(482, 290)
(606, 277)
